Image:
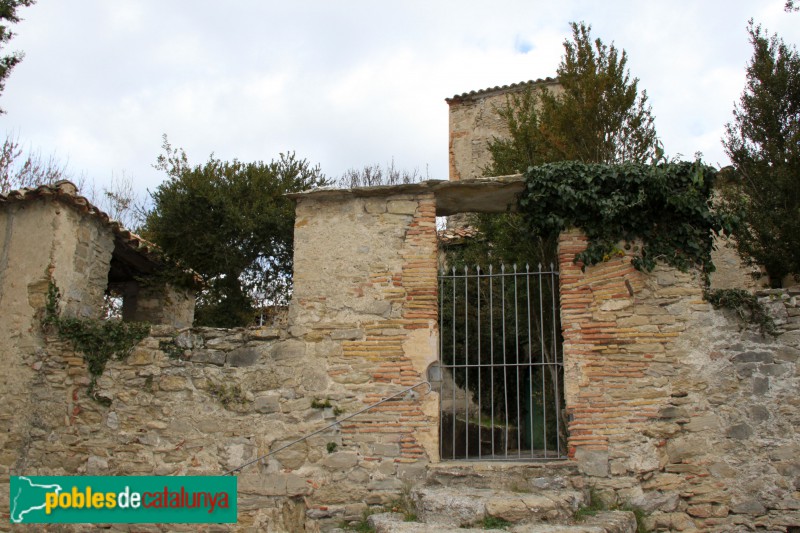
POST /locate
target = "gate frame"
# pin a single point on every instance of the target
(553, 335)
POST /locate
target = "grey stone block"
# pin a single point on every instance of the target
(288, 350)
(739, 431)
(760, 385)
(213, 357)
(753, 357)
(759, 413)
(673, 412)
(775, 370)
(347, 334)
(267, 404)
(246, 356)
(593, 462)
(751, 507)
(340, 460)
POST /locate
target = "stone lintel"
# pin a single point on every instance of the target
(479, 195)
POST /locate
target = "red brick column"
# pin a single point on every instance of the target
(608, 348)
(414, 290)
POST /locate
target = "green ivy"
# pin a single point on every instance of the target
(745, 305)
(170, 349)
(326, 404)
(493, 522)
(98, 340)
(661, 211)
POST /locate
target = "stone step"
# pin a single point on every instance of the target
(511, 476)
(604, 522)
(463, 506)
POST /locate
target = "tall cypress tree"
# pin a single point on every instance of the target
(763, 143)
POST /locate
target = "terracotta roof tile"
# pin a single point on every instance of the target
(483, 92)
(67, 193)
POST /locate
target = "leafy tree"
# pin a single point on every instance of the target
(763, 143)
(231, 223)
(8, 14)
(598, 116)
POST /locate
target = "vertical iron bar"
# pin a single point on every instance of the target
(480, 369)
(466, 361)
(453, 369)
(556, 359)
(441, 361)
(544, 364)
(491, 350)
(517, 367)
(505, 371)
(530, 355)
(550, 365)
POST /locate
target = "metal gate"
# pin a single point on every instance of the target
(500, 362)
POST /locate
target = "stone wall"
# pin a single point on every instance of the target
(365, 301)
(185, 402)
(675, 407)
(44, 239)
(205, 401)
(40, 240)
(51, 233)
(474, 122)
(732, 271)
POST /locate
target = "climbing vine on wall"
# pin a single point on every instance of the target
(662, 212)
(746, 306)
(98, 340)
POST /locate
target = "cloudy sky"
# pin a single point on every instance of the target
(343, 83)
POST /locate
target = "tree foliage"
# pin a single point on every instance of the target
(598, 116)
(665, 209)
(8, 15)
(763, 143)
(502, 239)
(231, 223)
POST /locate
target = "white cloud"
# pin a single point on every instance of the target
(344, 84)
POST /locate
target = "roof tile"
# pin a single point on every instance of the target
(67, 193)
(474, 94)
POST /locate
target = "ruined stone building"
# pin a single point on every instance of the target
(51, 233)
(663, 403)
(475, 121)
